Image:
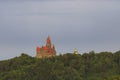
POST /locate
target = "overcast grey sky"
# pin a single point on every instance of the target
(83, 24)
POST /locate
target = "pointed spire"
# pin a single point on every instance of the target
(49, 36)
(48, 42)
(48, 39)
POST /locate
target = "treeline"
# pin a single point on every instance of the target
(87, 66)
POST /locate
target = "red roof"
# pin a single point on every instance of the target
(45, 48)
(38, 48)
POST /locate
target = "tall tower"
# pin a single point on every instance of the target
(48, 42)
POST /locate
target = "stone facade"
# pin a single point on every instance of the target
(46, 51)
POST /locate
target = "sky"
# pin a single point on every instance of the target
(83, 24)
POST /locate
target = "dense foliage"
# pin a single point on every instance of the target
(87, 66)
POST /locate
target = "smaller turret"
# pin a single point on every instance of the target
(75, 51)
(53, 46)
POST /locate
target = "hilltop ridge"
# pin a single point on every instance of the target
(87, 66)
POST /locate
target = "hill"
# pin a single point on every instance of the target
(87, 66)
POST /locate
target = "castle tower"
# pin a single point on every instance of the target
(48, 42)
(47, 50)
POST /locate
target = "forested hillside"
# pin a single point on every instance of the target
(87, 66)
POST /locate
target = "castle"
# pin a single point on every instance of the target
(46, 51)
